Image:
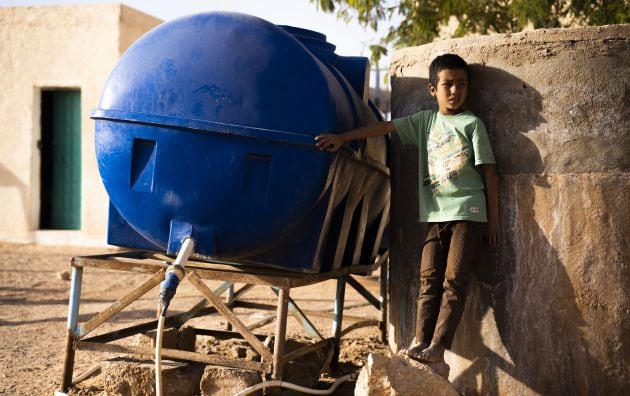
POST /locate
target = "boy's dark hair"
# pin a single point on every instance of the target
(446, 61)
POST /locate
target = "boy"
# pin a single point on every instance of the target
(456, 167)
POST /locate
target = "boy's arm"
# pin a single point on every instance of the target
(327, 141)
(492, 197)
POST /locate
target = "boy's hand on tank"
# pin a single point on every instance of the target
(329, 142)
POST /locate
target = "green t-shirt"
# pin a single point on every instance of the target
(449, 148)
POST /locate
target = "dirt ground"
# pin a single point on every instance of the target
(34, 289)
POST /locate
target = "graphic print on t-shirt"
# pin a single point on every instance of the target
(447, 156)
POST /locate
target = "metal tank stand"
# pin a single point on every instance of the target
(281, 281)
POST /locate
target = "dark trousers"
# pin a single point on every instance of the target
(448, 255)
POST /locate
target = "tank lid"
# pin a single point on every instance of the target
(314, 41)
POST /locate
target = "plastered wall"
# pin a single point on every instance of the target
(55, 47)
(548, 309)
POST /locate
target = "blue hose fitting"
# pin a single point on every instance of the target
(169, 285)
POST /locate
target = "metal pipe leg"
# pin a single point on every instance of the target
(384, 299)
(299, 315)
(281, 333)
(73, 320)
(229, 295)
(338, 319)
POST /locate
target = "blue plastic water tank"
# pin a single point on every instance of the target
(205, 128)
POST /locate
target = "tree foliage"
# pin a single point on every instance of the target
(422, 20)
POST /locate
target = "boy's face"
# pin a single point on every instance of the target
(451, 90)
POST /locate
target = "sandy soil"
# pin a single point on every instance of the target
(34, 288)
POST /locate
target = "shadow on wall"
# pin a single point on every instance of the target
(405, 237)
(510, 108)
(8, 179)
(523, 280)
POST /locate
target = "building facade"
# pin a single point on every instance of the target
(55, 61)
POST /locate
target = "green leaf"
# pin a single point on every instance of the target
(422, 20)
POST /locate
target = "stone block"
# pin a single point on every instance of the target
(182, 339)
(400, 376)
(126, 377)
(226, 381)
(240, 349)
(305, 370)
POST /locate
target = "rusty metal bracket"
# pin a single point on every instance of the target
(119, 305)
(229, 315)
(280, 281)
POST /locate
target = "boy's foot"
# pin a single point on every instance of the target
(434, 353)
(414, 350)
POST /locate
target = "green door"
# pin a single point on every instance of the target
(61, 160)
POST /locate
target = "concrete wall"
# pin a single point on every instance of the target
(548, 311)
(55, 47)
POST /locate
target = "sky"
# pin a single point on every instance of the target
(351, 39)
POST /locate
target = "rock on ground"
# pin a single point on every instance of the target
(127, 377)
(182, 339)
(225, 381)
(400, 376)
